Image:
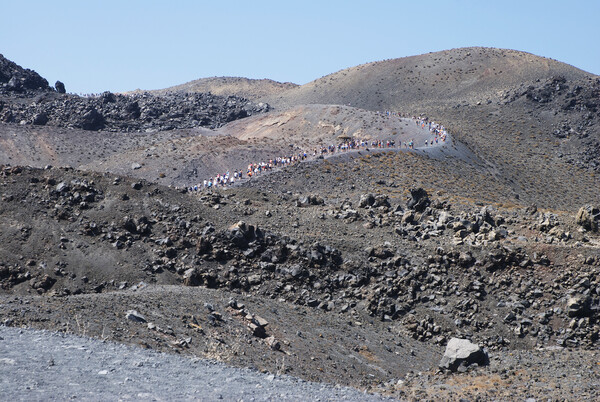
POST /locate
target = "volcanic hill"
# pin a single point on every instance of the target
(354, 267)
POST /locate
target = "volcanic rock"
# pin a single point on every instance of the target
(134, 316)
(588, 217)
(578, 306)
(14, 78)
(462, 352)
(419, 200)
(60, 87)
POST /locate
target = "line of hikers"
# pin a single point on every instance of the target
(438, 130)
(349, 144)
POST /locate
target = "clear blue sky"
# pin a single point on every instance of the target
(120, 45)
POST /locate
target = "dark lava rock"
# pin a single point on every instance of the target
(191, 277)
(134, 316)
(578, 306)
(138, 112)
(381, 252)
(40, 119)
(44, 283)
(419, 199)
(241, 234)
(130, 113)
(60, 87)
(310, 200)
(91, 120)
(14, 78)
(366, 200)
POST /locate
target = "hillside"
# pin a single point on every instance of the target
(184, 157)
(536, 121)
(224, 86)
(465, 75)
(355, 267)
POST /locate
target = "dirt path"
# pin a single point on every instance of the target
(410, 132)
(41, 365)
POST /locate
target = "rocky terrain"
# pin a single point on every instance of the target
(16, 80)
(129, 113)
(30, 101)
(355, 269)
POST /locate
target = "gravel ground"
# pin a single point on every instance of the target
(41, 365)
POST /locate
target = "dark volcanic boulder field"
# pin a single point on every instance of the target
(28, 99)
(130, 113)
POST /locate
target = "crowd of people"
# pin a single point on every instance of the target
(438, 130)
(226, 179)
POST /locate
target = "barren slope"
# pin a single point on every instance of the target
(536, 121)
(186, 157)
(447, 77)
(224, 86)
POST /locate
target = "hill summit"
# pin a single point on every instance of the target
(470, 75)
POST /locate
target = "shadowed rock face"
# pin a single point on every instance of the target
(16, 79)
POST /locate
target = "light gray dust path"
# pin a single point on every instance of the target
(41, 365)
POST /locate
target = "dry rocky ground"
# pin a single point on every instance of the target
(355, 269)
(226, 86)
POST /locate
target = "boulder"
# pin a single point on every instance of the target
(203, 246)
(462, 352)
(547, 221)
(381, 252)
(366, 200)
(62, 187)
(241, 234)
(44, 283)
(91, 120)
(134, 316)
(40, 119)
(381, 200)
(588, 217)
(191, 277)
(309, 200)
(257, 330)
(408, 217)
(258, 320)
(465, 259)
(60, 87)
(419, 199)
(273, 343)
(578, 306)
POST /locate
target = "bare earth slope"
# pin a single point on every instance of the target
(186, 157)
(225, 86)
(457, 75)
